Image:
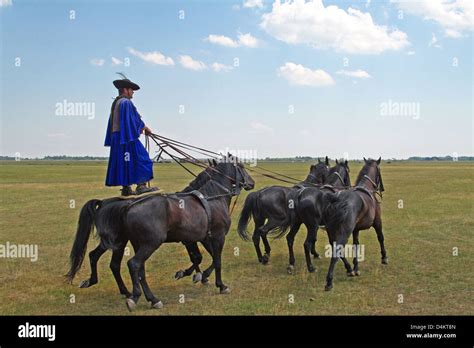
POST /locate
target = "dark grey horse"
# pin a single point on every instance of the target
(269, 210)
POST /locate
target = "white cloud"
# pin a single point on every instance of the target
(455, 17)
(189, 63)
(253, 3)
(298, 75)
(261, 127)
(246, 40)
(311, 23)
(154, 57)
(434, 41)
(218, 67)
(361, 74)
(222, 40)
(410, 53)
(5, 3)
(97, 61)
(116, 61)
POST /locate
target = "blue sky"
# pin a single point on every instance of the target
(335, 64)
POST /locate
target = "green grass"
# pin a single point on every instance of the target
(437, 216)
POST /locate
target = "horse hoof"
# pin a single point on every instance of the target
(85, 284)
(357, 273)
(311, 269)
(351, 274)
(131, 304)
(328, 287)
(290, 269)
(157, 305)
(197, 277)
(225, 291)
(265, 259)
(385, 260)
(179, 275)
(205, 281)
(316, 256)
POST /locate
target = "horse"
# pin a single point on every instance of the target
(306, 207)
(87, 216)
(202, 215)
(352, 211)
(270, 204)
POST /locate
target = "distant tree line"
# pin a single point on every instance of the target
(279, 159)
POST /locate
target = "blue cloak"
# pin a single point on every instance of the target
(129, 162)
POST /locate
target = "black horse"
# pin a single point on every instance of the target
(270, 204)
(354, 210)
(87, 216)
(202, 216)
(307, 207)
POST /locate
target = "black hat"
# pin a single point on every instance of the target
(125, 83)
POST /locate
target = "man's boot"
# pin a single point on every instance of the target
(142, 188)
(127, 191)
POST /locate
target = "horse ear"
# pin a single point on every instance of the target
(327, 160)
(319, 161)
(209, 161)
(215, 162)
(365, 160)
(379, 160)
(346, 163)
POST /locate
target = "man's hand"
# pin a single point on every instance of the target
(147, 130)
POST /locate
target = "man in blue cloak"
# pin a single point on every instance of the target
(129, 162)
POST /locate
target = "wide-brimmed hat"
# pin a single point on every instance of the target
(125, 83)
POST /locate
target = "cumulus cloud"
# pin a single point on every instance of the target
(97, 61)
(253, 3)
(189, 63)
(153, 57)
(455, 17)
(245, 40)
(311, 23)
(219, 67)
(298, 75)
(360, 74)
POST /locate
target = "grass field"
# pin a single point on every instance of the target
(437, 216)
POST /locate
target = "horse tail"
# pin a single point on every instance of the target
(291, 205)
(250, 206)
(110, 223)
(84, 229)
(336, 212)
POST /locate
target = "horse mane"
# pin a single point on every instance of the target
(365, 169)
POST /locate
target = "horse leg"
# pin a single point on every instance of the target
(340, 242)
(207, 272)
(266, 256)
(355, 241)
(256, 243)
(313, 247)
(290, 238)
(380, 237)
(217, 246)
(195, 257)
(308, 244)
(115, 262)
(94, 257)
(135, 265)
